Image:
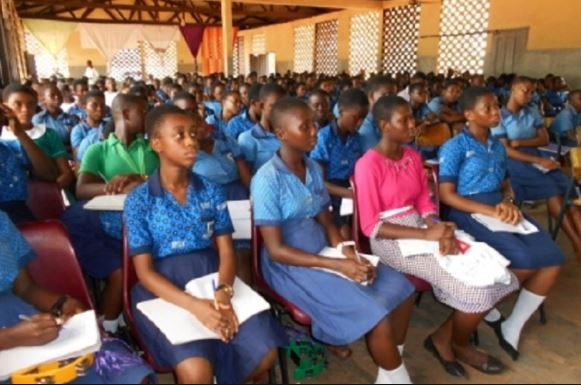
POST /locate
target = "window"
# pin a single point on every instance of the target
(401, 28)
(125, 63)
(238, 56)
(463, 26)
(326, 55)
(46, 64)
(160, 63)
(258, 44)
(304, 48)
(364, 43)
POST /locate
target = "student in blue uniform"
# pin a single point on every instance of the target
(291, 207)
(113, 166)
(179, 229)
(338, 148)
(186, 102)
(446, 105)
(15, 164)
(566, 123)
(249, 117)
(522, 132)
(231, 106)
(216, 94)
(260, 143)
(94, 122)
(376, 88)
(320, 102)
(424, 117)
(474, 180)
(53, 116)
(80, 89)
(20, 296)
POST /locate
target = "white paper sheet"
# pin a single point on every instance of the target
(524, 227)
(180, 326)
(330, 252)
(240, 213)
(346, 207)
(106, 203)
(79, 336)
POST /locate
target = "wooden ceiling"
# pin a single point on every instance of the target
(165, 12)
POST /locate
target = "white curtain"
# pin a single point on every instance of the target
(160, 37)
(109, 38)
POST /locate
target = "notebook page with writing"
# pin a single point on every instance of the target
(330, 252)
(180, 326)
(79, 336)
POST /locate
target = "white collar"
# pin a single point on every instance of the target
(34, 133)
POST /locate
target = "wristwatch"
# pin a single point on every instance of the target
(510, 200)
(226, 289)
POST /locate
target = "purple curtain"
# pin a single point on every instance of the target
(193, 35)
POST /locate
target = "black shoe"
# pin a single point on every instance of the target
(491, 366)
(504, 344)
(452, 367)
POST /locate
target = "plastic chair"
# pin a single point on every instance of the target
(45, 200)
(364, 246)
(129, 281)
(434, 135)
(56, 267)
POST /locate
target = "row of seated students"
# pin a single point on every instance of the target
(291, 195)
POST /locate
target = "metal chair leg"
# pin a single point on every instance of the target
(543, 315)
(561, 217)
(419, 299)
(475, 338)
(283, 366)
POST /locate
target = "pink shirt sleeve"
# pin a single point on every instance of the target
(424, 203)
(368, 184)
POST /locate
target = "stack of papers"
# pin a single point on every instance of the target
(106, 203)
(524, 227)
(181, 327)
(78, 337)
(330, 252)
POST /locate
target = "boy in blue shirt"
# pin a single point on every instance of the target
(248, 118)
(320, 102)
(93, 124)
(260, 143)
(568, 120)
(53, 116)
(338, 149)
(446, 105)
(377, 87)
(80, 89)
(186, 102)
(231, 106)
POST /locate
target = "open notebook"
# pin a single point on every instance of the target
(180, 326)
(524, 227)
(78, 337)
(330, 252)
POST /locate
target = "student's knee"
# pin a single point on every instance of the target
(115, 278)
(261, 372)
(195, 371)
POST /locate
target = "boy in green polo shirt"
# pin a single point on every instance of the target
(114, 166)
(45, 138)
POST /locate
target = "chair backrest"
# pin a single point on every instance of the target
(56, 267)
(360, 239)
(575, 155)
(45, 200)
(434, 135)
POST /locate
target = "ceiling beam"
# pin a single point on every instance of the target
(109, 21)
(332, 4)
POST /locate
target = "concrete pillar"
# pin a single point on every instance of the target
(227, 41)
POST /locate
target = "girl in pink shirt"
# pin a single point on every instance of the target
(394, 203)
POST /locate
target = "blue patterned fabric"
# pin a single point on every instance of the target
(13, 175)
(239, 124)
(258, 146)
(82, 130)
(157, 224)
(220, 167)
(339, 157)
(62, 124)
(472, 166)
(15, 253)
(370, 134)
(566, 121)
(518, 127)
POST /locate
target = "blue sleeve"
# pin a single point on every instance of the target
(451, 157)
(211, 120)
(435, 106)
(368, 138)
(233, 127)
(321, 151)
(248, 147)
(323, 193)
(538, 122)
(500, 131)
(265, 194)
(564, 122)
(77, 136)
(139, 238)
(223, 223)
(13, 245)
(234, 147)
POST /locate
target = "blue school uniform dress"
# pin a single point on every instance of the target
(220, 167)
(528, 182)
(63, 124)
(478, 172)
(163, 96)
(14, 167)
(94, 136)
(339, 158)
(258, 146)
(239, 124)
(180, 239)
(219, 125)
(427, 152)
(437, 104)
(214, 106)
(341, 311)
(78, 111)
(82, 130)
(567, 120)
(370, 134)
(15, 255)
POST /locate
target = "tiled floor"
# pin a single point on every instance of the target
(549, 354)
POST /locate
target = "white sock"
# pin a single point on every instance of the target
(111, 326)
(525, 307)
(493, 315)
(396, 376)
(400, 349)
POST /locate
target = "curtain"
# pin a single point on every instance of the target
(159, 37)
(109, 38)
(212, 51)
(52, 35)
(193, 36)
